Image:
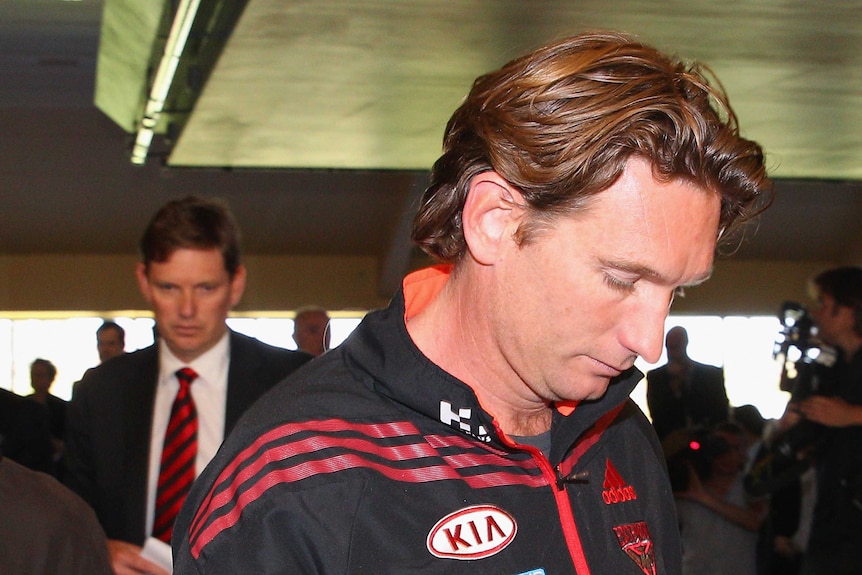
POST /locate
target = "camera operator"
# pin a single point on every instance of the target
(836, 405)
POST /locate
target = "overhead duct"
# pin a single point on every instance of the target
(154, 59)
(176, 43)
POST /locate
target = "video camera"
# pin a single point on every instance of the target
(797, 348)
(800, 352)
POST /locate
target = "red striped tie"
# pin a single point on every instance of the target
(177, 471)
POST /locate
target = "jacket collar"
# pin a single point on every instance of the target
(382, 348)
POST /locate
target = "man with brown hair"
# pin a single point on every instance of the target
(191, 275)
(110, 340)
(481, 423)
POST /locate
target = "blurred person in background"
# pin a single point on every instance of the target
(110, 340)
(42, 376)
(685, 394)
(311, 330)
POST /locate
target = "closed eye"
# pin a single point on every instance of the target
(619, 285)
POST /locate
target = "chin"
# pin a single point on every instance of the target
(586, 392)
(598, 391)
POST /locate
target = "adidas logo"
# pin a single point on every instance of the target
(614, 489)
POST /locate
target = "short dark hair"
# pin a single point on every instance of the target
(844, 285)
(52, 369)
(192, 223)
(561, 123)
(107, 324)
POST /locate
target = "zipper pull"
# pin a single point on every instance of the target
(581, 477)
(578, 477)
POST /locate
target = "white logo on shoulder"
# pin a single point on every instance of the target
(460, 419)
(473, 532)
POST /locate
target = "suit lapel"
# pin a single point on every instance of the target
(138, 422)
(243, 385)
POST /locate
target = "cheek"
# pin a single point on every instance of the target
(162, 307)
(218, 307)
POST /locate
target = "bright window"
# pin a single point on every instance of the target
(743, 345)
(70, 344)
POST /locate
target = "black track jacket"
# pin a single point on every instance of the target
(371, 459)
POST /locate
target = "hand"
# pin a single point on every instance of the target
(831, 411)
(785, 546)
(790, 417)
(126, 560)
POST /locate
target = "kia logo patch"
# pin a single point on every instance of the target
(473, 532)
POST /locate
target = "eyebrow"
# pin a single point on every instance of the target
(651, 274)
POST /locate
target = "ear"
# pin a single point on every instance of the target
(491, 215)
(237, 285)
(143, 282)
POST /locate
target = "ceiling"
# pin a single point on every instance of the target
(318, 120)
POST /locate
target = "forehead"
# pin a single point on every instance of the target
(189, 264)
(108, 333)
(664, 230)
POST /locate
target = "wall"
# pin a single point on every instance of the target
(107, 283)
(745, 287)
(283, 283)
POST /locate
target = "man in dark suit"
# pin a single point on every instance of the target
(191, 275)
(684, 394)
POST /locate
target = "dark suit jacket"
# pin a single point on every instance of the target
(705, 401)
(25, 432)
(110, 418)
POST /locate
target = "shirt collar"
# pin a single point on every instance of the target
(209, 366)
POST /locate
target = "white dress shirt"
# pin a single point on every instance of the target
(209, 392)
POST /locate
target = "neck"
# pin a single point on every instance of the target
(455, 333)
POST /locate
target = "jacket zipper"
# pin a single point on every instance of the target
(567, 518)
(561, 497)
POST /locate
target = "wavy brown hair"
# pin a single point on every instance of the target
(560, 124)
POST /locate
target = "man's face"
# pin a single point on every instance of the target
(109, 344)
(191, 294)
(40, 378)
(834, 322)
(310, 333)
(676, 345)
(582, 301)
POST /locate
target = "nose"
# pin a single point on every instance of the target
(187, 305)
(643, 329)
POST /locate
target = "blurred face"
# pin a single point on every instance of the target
(834, 322)
(732, 460)
(310, 332)
(582, 301)
(40, 378)
(676, 344)
(191, 294)
(109, 343)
